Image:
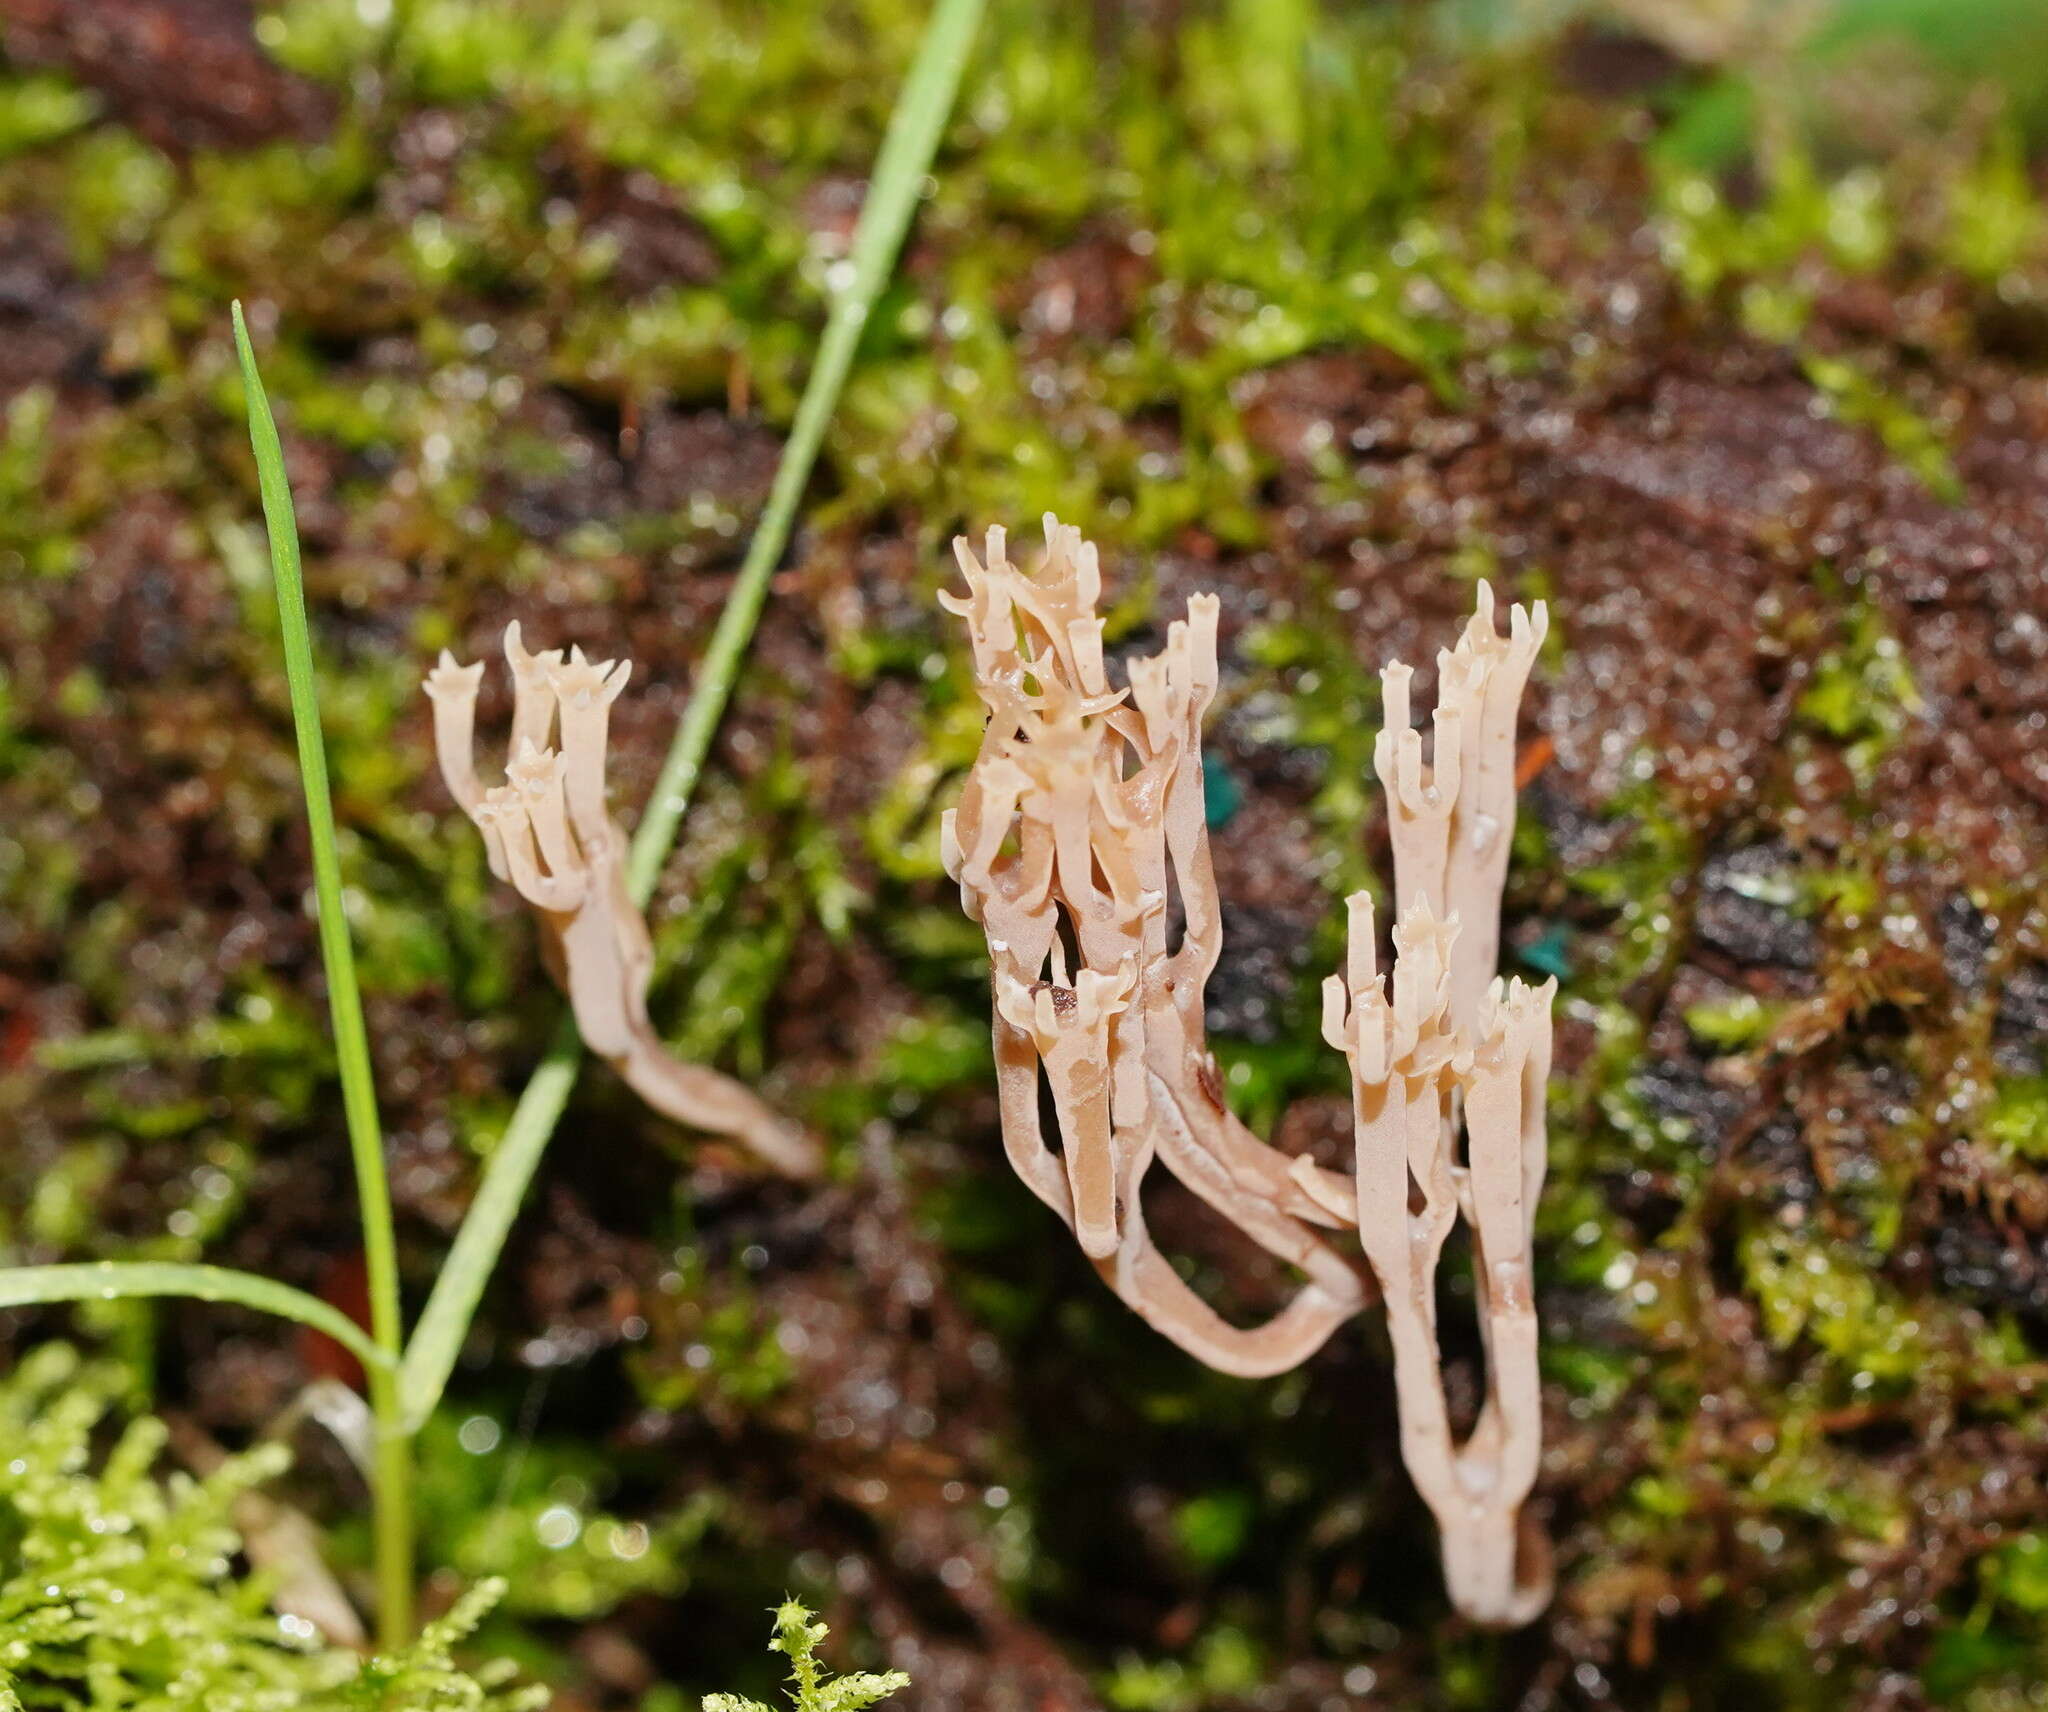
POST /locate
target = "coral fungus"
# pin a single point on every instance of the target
(1080, 844)
(547, 831)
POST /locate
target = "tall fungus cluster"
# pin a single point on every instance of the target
(1080, 843)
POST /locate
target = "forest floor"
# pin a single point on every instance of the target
(1332, 323)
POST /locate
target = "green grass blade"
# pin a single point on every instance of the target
(111, 1280)
(905, 157)
(391, 1519)
(900, 167)
(344, 1002)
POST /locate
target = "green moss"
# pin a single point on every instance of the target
(1213, 1527)
(1711, 243)
(1852, 396)
(710, 1346)
(1809, 1289)
(1732, 1024)
(2017, 1121)
(1996, 223)
(1862, 692)
(763, 871)
(31, 540)
(1641, 880)
(532, 1513)
(1777, 256)
(1223, 1664)
(119, 1589)
(1331, 706)
(812, 1687)
(35, 110)
(122, 188)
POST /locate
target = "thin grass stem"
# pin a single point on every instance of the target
(114, 1280)
(392, 1523)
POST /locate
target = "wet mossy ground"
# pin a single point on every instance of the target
(1312, 311)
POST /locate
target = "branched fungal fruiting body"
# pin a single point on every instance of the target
(1082, 817)
(546, 830)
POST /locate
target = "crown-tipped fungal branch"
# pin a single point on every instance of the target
(1080, 843)
(547, 832)
(1081, 819)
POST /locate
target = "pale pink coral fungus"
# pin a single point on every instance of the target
(1081, 825)
(547, 832)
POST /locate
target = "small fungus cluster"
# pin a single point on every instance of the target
(547, 831)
